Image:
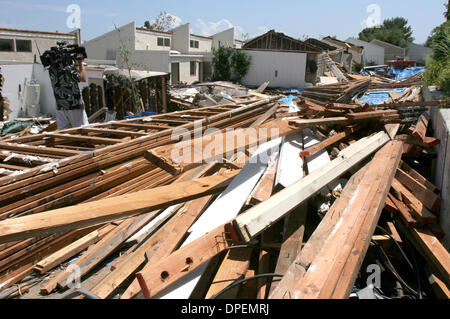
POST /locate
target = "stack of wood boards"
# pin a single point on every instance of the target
(165, 207)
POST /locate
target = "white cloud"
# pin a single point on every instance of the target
(210, 28)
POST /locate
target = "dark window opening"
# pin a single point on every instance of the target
(160, 42)
(193, 68)
(167, 42)
(7, 45)
(23, 45)
(195, 44)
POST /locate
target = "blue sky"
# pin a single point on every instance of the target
(296, 18)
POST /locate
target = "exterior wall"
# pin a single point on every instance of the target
(373, 54)
(38, 40)
(419, 53)
(391, 52)
(291, 67)
(106, 47)
(181, 38)
(146, 40)
(225, 38)
(47, 98)
(442, 176)
(147, 61)
(16, 75)
(204, 45)
(185, 68)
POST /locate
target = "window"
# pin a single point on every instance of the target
(7, 45)
(193, 68)
(23, 45)
(195, 44)
(163, 42)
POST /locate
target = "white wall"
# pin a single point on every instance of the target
(47, 99)
(106, 46)
(291, 67)
(15, 75)
(181, 38)
(146, 40)
(225, 38)
(147, 61)
(372, 53)
(204, 45)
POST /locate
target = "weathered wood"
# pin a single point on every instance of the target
(419, 178)
(233, 268)
(90, 214)
(334, 270)
(264, 189)
(428, 198)
(214, 147)
(263, 215)
(417, 207)
(304, 259)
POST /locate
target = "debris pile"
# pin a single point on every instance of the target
(312, 192)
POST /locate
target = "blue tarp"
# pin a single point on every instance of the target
(404, 73)
(399, 73)
(288, 99)
(378, 97)
(293, 90)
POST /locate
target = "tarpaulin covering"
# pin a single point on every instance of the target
(378, 97)
(404, 73)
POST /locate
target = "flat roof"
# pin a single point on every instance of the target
(156, 31)
(37, 32)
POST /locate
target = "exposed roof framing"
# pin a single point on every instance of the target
(278, 41)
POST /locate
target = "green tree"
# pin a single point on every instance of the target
(163, 22)
(395, 31)
(221, 63)
(240, 62)
(438, 72)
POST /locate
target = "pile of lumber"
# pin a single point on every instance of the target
(182, 206)
(340, 93)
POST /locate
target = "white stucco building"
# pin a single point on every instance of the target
(185, 55)
(372, 54)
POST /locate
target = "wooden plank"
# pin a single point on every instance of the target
(234, 198)
(264, 189)
(60, 256)
(293, 240)
(334, 270)
(264, 267)
(263, 215)
(435, 254)
(420, 131)
(428, 198)
(370, 115)
(191, 153)
(233, 268)
(90, 214)
(304, 259)
(86, 139)
(112, 132)
(37, 150)
(404, 212)
(419, 178)
(417, 207)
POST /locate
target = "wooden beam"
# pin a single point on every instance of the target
(417, 207)
(86, 139)
(107, 210)
(419, 178)
(264, 189)
(214, 147)
(427, 197)
(304, 259)
(262, 216)
(334, 270)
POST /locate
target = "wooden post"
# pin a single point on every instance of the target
(164, 93)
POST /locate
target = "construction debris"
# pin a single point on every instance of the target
(224, 197)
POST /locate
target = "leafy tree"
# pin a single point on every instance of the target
(395, 31)
(221, 63)
(438, 72)
(163, 22)
(240, 61)
(447, 13)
